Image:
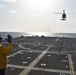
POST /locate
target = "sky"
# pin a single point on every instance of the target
(37, 16)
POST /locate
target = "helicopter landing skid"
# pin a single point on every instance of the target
(63, 19)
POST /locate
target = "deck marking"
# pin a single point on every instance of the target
(12, 54)
(71, 65)
(39, 69)
(26, 71)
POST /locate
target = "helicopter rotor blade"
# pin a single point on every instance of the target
(71, 13)
(57, 13)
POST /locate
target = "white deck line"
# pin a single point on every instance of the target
(71, 65)
(52, 70)
(20, 45)
(39, 69)
(26, 71)
(16, 66)
(12, 54)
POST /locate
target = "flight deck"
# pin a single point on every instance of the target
(42, 56)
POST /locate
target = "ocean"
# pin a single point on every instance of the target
(48, 34)
(13, 34)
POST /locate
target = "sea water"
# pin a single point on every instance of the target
(48, 34)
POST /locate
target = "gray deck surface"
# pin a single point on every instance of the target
(42, 56)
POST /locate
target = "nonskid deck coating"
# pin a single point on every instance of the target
(46, 69)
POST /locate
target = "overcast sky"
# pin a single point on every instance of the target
(37, 16)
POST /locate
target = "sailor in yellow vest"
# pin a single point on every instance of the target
(3, 54)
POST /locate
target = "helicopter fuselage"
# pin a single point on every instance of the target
(63, 16)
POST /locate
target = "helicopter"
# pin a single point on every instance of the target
(63, 15)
